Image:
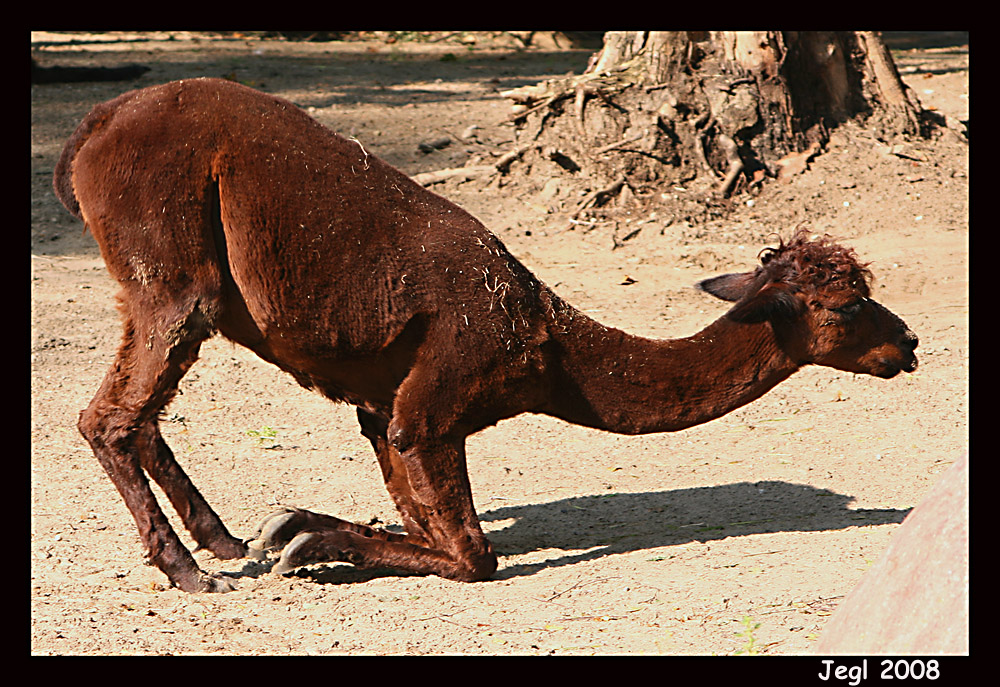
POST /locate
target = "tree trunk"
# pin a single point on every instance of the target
(724, 108)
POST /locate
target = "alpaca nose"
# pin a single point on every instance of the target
(910, 340)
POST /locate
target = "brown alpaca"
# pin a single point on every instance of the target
(221, 209)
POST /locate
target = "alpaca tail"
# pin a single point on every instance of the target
(62, 179)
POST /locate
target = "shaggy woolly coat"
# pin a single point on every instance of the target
(219, 208)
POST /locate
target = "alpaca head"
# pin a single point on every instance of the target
(815, 294)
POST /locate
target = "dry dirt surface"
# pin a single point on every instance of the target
(738, 536)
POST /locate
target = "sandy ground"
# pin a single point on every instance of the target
(740, 535)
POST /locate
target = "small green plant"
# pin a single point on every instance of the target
(749, 626)
(262, 435)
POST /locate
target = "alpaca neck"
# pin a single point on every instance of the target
(611, 380)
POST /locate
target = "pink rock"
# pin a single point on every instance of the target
(915, 599)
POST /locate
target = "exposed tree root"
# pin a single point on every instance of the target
(660, 108)
(599, 196)
(735, 164)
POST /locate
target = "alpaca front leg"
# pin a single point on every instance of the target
(304, 537)
(283, 525)
(456, 549)
(368, 552)
(459, 561)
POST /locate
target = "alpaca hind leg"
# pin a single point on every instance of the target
(197, 515)
(120, 421)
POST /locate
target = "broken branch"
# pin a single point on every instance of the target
(428, 178)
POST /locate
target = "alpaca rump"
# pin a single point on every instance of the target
(220, 209)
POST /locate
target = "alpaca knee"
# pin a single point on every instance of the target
(93, 425)
(478, 568)
(476, 564)
(109, 426)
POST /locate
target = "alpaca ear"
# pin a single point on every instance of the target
(728, 287)
(775, 301)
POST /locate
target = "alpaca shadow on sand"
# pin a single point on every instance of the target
(591, 527)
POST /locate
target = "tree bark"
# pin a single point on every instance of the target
(723, 108)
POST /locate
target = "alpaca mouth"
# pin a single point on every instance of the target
(890, 368)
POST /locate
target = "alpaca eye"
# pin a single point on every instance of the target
(849, 310)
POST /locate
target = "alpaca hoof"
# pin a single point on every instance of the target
(293, 556)
(256, 551)
(216, 584)
(269, 533)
